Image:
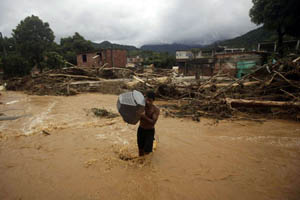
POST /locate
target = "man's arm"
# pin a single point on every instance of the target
(154, 117)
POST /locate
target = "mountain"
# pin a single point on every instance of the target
(108, 45)
(248, 41)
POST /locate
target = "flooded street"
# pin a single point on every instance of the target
(57, 149)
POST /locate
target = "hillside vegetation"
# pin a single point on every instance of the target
(249, 41)
(108, 45)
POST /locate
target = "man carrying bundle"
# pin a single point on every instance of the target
(146, 130)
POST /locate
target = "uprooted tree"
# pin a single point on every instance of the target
(279, 15)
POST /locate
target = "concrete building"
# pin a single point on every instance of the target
(291, 45)
(134, 61)
(208, 63)
(192, 63)
(233, 63)
(113, 58)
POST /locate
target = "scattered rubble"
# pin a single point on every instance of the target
(271, 89)
(66, 81)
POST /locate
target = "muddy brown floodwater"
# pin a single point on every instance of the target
(86, 157)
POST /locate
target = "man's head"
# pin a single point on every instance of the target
(150, 97)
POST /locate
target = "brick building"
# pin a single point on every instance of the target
(113, 58)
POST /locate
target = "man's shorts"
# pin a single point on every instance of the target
(145, 139)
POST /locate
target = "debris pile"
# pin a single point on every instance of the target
(66, 81)
(74, 80)
(272, 90)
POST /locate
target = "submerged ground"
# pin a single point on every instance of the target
(59, 150)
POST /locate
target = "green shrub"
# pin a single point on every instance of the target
(53, 61)
(15, 65)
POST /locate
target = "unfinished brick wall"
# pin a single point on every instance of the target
(89, 61)
(113, 58)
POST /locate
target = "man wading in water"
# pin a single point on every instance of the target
(146, 130)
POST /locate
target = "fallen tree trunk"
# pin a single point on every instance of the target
(85, 82)
(160, 80)
(74, 76)
(218, 85)
(118, 68)
(95, 82)
(142, 81)
(237, 81)
(244, 102)
(251, 83)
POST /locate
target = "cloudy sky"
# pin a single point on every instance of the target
(134, 22)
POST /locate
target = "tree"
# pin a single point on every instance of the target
(159, 59)
(33, 38)
(2, 45)
(279, 15)
(76, 44)
(54, 61)
(15, 65)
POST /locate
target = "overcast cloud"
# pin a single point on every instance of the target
(134, 22)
